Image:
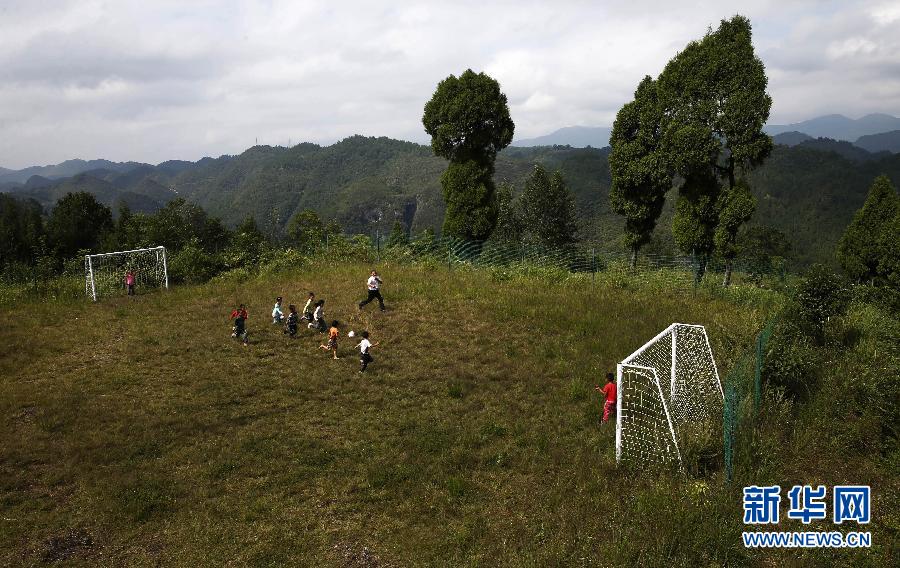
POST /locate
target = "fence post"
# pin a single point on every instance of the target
(728, 430)
(593, 265)
(377, 246)
(449, 256)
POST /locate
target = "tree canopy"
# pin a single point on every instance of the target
(468, 118)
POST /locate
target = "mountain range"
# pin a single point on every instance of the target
(872, 132)
(809, 191)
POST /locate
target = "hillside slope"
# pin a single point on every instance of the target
(809, 191)
(160, 439)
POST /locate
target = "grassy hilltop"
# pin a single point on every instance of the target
(137, 432)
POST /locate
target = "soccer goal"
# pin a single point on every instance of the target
(104, 273)
(669, 383)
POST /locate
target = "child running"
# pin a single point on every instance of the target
(318, 321)
(609, 389)
(332, 344)
(277, 314)
(308, 308)
(292, 318)
(239, 331)
(364, 357)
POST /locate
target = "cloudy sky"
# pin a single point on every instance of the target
(151, 81)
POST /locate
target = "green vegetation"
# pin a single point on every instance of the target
(871, 240)
(638, 167)
(469, 123)
(702, 121)
(365, 184)
(547, 212)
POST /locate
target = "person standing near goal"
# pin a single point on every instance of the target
(374, 288)
(129, 281)
(609, 390)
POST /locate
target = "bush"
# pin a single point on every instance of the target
(281, 260)
(193, 265)
(790, 363)
(820, 296)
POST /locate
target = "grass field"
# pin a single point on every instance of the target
(136, 432)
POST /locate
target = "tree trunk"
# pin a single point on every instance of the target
(728, 266)
(701, 267)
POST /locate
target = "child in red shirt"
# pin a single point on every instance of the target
(239, 331)
(609, 390)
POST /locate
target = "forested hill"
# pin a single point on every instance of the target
(809, 193)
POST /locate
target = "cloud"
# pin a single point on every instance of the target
(142, 81)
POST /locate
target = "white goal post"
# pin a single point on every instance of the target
(104, 274)
(669, 382)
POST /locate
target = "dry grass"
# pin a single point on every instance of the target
(140, 427)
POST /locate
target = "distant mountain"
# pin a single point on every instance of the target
(65, 169)
(839, 127)
(146, 196)
(574, 136)
(842, 148)
(883, 142)
(35, 182)
(791, 138)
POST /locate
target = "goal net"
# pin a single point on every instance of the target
(667, 385)
(105, 274)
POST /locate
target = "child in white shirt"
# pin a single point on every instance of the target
(364, 357)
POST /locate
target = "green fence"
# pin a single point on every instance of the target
(583, 258)
(742, 398)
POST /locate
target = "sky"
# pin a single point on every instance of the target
(152, 81)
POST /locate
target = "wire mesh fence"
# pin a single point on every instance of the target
(601, 264)
(743, 396)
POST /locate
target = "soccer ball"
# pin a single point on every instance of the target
(350, 333)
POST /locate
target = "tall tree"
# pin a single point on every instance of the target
(21, 230)
(548, 212)
(509, 221)
(181, 222)
(78, 222)
(870, 237)
(637, 163)
(468, 121)
(715, 104)
(398, 236)
(736, 207)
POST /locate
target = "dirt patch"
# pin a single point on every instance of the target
(358, 556)
(75, 542)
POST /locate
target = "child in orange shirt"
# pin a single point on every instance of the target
(332, 339)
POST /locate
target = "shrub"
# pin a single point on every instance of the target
(281, 260)
(820, 296)
(790, 363)
(193, 265)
